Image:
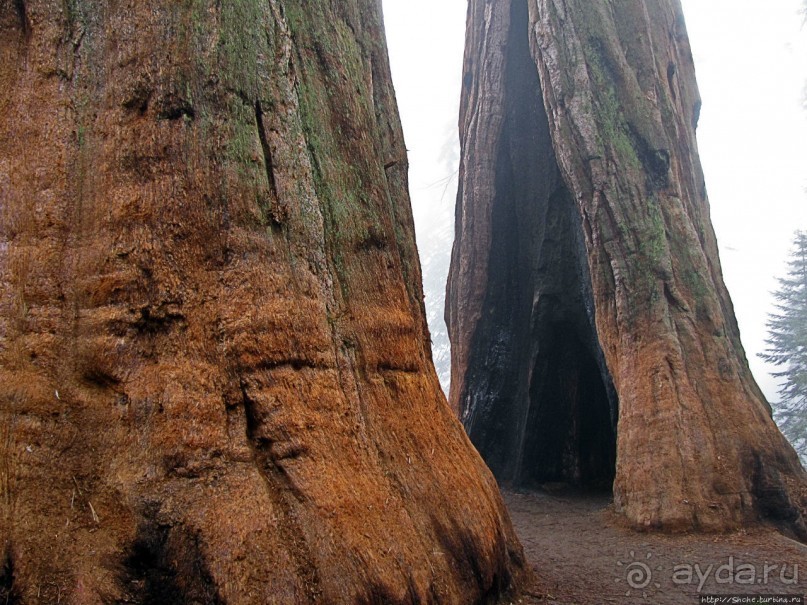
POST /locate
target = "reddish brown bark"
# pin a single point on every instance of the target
(214, 369)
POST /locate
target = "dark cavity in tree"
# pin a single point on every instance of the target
(8, 594)
(562, 426)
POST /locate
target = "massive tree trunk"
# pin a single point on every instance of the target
(216, 385)
(593, 337)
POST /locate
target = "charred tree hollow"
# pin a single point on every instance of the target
(538, 403)
(569, 434)
(585, 288)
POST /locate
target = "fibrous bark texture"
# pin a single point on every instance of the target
(593, 338)
(216, 385)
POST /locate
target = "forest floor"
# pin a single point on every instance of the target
(582, 555)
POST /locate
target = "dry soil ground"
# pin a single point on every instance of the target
(582, 556)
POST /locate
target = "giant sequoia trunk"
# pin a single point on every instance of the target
(593, 337)
(216, 385)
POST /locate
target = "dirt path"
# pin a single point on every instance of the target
(581, 556)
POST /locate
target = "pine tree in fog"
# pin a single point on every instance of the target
(787, 346)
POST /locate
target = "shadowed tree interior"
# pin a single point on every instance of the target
(593, 337)
(570, 434)
(544, 408)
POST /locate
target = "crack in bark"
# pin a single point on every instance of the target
(267, 151)
(8, 592)
(22, 15)
(279, 486)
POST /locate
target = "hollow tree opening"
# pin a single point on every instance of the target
(585, 283)
(538, 401)
(569, 435)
